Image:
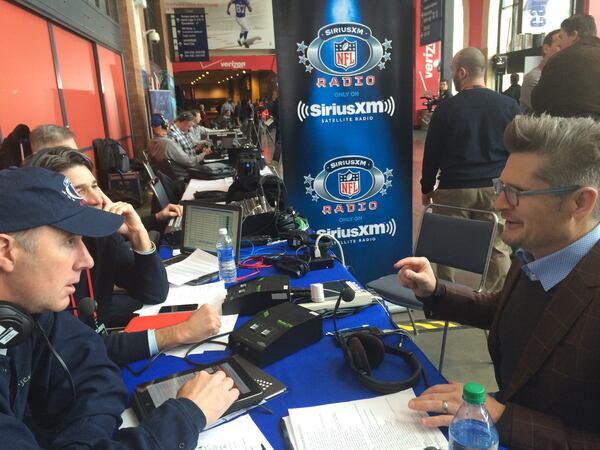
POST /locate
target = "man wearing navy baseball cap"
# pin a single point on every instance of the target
(58, 388)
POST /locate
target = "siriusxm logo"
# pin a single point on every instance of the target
(344, 48)
(373, 229)
(352, 109)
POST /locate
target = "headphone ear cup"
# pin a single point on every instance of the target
(357, 355)
(19, 323)
(373, 348)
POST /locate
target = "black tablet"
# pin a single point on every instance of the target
(154, 393)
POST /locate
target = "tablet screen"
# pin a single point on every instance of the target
(162, 391)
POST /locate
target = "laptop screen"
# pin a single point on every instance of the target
(201, 223)
(157, 187)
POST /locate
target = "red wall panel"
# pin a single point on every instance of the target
(115, 97)
(28, 90)
(75, 57)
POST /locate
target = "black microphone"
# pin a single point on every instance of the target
(85, 307)
(347, 294)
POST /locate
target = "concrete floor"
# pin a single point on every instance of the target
(467, 357)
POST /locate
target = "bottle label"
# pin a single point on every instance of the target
(225, 253)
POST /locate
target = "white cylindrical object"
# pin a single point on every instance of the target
(317, 294)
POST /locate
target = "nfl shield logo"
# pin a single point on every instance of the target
(345, 54)
(349, 183)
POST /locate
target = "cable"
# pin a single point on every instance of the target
(318, 252)
(210, 339)
(137, 373)
(60, 361)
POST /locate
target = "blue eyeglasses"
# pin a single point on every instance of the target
(512, 194)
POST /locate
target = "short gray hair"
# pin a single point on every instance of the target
(25, 238)
(48, 136)
(571, 146)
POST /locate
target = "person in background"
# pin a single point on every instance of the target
(569, 84)
(203, 115)
(464, 144)
(550, 46)
(514, 89)
(444, 91)
(49, 136)
(76, 404)
(543, 323)
(179, 132)
(198, 134)
(167, 155)
(227, 107)
(132, 264)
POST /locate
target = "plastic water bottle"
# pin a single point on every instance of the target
(227, 269)
(472, 427)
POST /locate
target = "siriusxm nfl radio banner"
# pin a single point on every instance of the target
(345, 91)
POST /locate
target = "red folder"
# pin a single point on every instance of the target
(158, 321)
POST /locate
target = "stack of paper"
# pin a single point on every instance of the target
(196, 265)
(383, 422)
(240, 434)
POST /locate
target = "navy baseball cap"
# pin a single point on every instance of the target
(157, 120)
(32, 197)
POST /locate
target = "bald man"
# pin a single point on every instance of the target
(465, 145)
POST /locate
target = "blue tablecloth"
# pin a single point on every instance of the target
(317, 374)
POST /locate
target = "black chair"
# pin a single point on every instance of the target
(457, 242)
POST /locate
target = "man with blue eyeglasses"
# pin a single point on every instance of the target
(544, 324)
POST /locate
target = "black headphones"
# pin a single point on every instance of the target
(165, 123)
(365, 350)
(16, 323)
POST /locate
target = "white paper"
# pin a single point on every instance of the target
(196, 265)
(206, 185)
(211, 293)
(383, 422)
(239, 434)
(227, 325)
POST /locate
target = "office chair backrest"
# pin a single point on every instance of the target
(457, 242)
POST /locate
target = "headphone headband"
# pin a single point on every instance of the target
(367, 350)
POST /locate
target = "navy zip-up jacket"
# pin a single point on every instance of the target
(37, 409)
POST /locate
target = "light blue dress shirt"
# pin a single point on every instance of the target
(553, 268)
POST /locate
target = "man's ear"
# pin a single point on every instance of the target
(585, 200)
(7, 255)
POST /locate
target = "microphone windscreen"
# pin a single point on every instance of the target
(86, 306)
(347, 294)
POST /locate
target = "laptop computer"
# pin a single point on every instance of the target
(160, 193)
(200, 228)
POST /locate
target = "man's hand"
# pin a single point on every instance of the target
(416, 273)
(427, 199)
(213, 394)
(169, 211)
(132, 228)
(203, 323)
(437, 397)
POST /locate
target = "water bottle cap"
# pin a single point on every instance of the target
(474, 393)
(223, 231)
